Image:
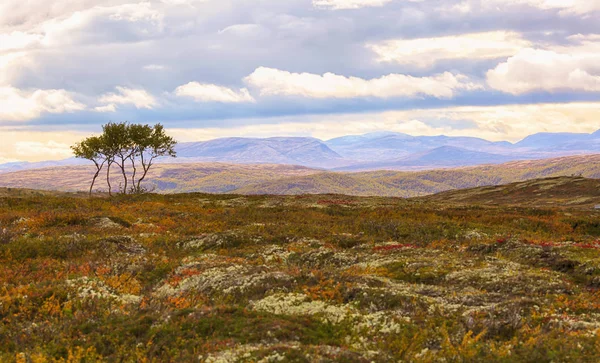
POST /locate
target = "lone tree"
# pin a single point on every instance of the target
(129, 147)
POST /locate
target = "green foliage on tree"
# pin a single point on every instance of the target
(133, 148)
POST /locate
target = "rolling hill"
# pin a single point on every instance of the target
(557, 191)
(295, 180)
(441, 157)
(166, 178)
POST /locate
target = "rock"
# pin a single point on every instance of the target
(21, 220)
(124, 244)
(109, 222)
(105, 223)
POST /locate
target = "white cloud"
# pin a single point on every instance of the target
(569, 6)
(137, 97)
(155, 67)
(244, 30)
(9, 66)
(348, 4)
(17, 40)
(96, 24)
(108, 108)
(4, 160)
(565, 7)
(204, 92)
(509, 122)
(51, 149)
(547, 70)
(424, 52)
(274, 82)
(26, 143)
(18, 105)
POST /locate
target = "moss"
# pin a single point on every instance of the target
(409, 281)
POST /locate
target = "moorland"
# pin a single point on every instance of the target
(277, 179)
(226, 278)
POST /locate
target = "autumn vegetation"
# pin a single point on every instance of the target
(197, 277)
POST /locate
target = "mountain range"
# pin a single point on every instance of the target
(373, 151)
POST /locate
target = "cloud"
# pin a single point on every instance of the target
(203, 92)
(18, 105)
(565, 7)
(4, 160)
(243, 30)
(568, 6)
(358, 56)
(348, 4)
(17, 40)
(33, 145)
(154, 67)
(128, 96)
(275, 82)
(425, 52)
(105, 24)
(497, 123)
(49, 148)
(546, 70)
(108, 108)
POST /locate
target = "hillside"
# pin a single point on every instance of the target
(410, 184)
(220, 278)
(28, 193)
(166, 178)
(294, 180)
(557, 191)
(440, 157)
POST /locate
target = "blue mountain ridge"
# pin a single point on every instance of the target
(372, 151)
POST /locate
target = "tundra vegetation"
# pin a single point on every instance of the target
(212, 177)
(129, 147)
(227, 278)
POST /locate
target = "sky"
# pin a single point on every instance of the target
(495, 69)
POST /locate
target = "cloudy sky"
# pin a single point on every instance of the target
(497, 69)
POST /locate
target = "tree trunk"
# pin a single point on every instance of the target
(94, 181)
(108, 178)
(133, 174)
(98, 170)
(122, 166)
(146, 168)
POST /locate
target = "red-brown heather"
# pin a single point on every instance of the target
(190, 277)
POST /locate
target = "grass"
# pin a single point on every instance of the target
(192, 277)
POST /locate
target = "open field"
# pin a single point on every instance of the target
(221, 278)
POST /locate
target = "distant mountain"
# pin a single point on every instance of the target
(372, 151)
(441, 157)
(545, 140)
(285, 179)
(277, 150)
(454, 156)
(391, 146)
(24, 165)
